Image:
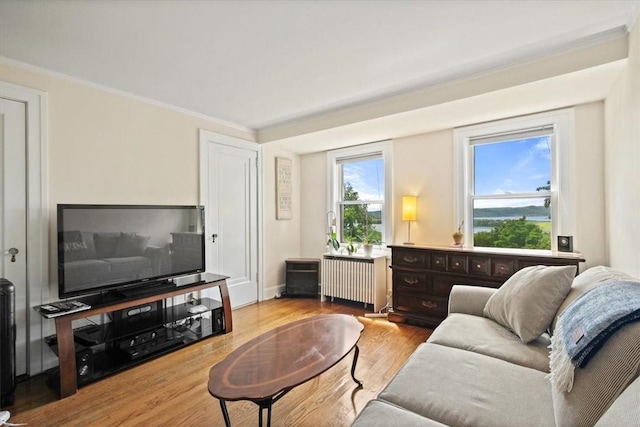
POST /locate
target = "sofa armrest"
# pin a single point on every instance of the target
(469, 299)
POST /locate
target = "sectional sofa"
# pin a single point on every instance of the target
(487, 364)
(105, 257)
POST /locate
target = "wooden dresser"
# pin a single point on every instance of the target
(423, 276)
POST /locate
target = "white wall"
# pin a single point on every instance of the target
(313, 197)
(622, 162)
(423, 166)
(590, 231)
(281, 237)
(109, 148)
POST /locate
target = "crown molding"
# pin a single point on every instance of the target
(634, 17)
(86, 83)
(536, 63)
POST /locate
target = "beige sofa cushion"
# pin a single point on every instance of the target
(484, 336)
(527, 302)
(462, 388)
(598, 384)
(625, 410)
(382, 414)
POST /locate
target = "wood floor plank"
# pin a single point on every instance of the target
(172, 390)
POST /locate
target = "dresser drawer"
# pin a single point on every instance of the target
(415, 281)
(409, 258)
(480, 266)
(502, 267)
(458, 264)
(439, 262)
(427, 305)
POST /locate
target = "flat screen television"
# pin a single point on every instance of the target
(123, 247)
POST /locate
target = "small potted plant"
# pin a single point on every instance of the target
(458, 236)
(332, 242)
(352, 247)
(368, 241)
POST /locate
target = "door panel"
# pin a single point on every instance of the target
(232, 216)
(13, 215)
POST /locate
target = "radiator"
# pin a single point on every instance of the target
(355, 278)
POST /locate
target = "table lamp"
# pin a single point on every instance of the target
(409, 204)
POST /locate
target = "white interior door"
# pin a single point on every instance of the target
(230, 195)
(13, 183)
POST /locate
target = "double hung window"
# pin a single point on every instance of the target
(358, 192)
(513, 188)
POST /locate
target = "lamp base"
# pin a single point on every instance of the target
(408, 243)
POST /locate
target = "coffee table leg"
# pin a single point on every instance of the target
(353, 366)
(265, 404)
(225, 413)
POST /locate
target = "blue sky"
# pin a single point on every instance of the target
(366, 177)
(512, 167)
(500, 168)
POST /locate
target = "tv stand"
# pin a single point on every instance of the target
(64, 338)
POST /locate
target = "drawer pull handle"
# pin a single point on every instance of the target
(457, 264)
(437, 261)
(479, 266)
(410, 280)
(410, 258)
(428, 304)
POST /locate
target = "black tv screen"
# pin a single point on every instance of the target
(107, 247)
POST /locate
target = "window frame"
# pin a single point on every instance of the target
(562, 169)
(334, 157)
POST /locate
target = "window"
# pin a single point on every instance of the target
(513, 181)
(359, 179)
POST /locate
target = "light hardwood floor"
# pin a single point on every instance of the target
(172, 390)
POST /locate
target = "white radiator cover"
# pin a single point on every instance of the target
(355, 278)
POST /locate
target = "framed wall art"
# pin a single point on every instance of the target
(284, 208)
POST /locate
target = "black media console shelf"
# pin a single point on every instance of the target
(103, 350)
(141, 328)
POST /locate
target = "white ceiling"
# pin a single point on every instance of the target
(269, 66)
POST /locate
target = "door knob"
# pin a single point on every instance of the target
(13, 252)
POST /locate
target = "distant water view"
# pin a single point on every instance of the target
(537, 218)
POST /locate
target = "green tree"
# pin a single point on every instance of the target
(547, 200)
(514, 233)
(356, 220)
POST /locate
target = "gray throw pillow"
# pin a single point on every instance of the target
(106, 244)
(528, 301)
(131, 244)
(78, 246)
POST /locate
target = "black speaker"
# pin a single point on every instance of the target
(7, 343)
(84, 364)
(565, 243)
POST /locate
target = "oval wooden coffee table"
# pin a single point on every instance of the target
(266, 368)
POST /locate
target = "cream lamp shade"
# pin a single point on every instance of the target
(409, 208)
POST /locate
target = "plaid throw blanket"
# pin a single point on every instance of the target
(587, 323)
